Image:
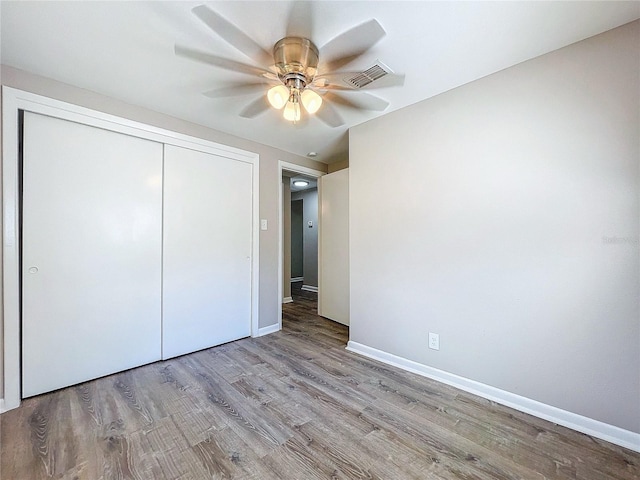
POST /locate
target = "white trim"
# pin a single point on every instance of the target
(255, 249)
(10, 248)
(595, 428)
(2, 407)
(14, 100)
(297, 279)
(75, 113)
(291, 167)
(267, 330)
(320, 269)
(309, 288)
(280, 243)
(287, 300)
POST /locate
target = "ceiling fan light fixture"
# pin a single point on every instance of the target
(311, 101)
(292, 111)
(278, 96)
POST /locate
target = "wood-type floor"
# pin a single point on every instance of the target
(291, 405)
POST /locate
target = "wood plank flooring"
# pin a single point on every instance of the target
(292, 405)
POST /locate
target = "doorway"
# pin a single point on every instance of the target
(304, 235)
(298, 226)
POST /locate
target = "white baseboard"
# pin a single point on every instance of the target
(309, 288)
(287, 300)
(267, 330)
(595, 428)
(297, 279)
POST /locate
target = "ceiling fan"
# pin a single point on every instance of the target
(294, 72)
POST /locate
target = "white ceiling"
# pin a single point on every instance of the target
(125, 50)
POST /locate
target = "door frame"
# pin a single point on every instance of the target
(14, 101)
(290, 167)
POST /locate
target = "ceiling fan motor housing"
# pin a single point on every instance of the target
(295, 57)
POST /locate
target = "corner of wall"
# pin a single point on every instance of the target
(340, 165)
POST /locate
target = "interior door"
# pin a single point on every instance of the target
(333, 294)
(206, 250)
(91, 253)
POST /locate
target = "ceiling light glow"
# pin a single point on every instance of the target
(311, 100)
(292, 112)
(278, 96)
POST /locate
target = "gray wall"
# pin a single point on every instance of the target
(310, 235)
(297, 238)
(269, 156)
(488, 214)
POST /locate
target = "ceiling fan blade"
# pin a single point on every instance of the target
(235, 90)
(233, 35)
(337, 81)
(349, 45)
(300, 21)
(221, 62)
(329, 115)
(271, 76)
(255, 108)
(359, 100)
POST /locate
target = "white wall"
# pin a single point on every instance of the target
(310, 235)
(483, 214)
(269, 156)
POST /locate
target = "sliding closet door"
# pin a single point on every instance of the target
(206, 251)
(91, 253)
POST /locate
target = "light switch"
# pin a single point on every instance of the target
(263, 224)
(310, 224)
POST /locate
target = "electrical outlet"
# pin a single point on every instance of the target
(434, 341)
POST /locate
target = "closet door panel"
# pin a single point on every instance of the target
(206, 250)
(91, 258)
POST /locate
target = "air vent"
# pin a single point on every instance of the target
(370, 75)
